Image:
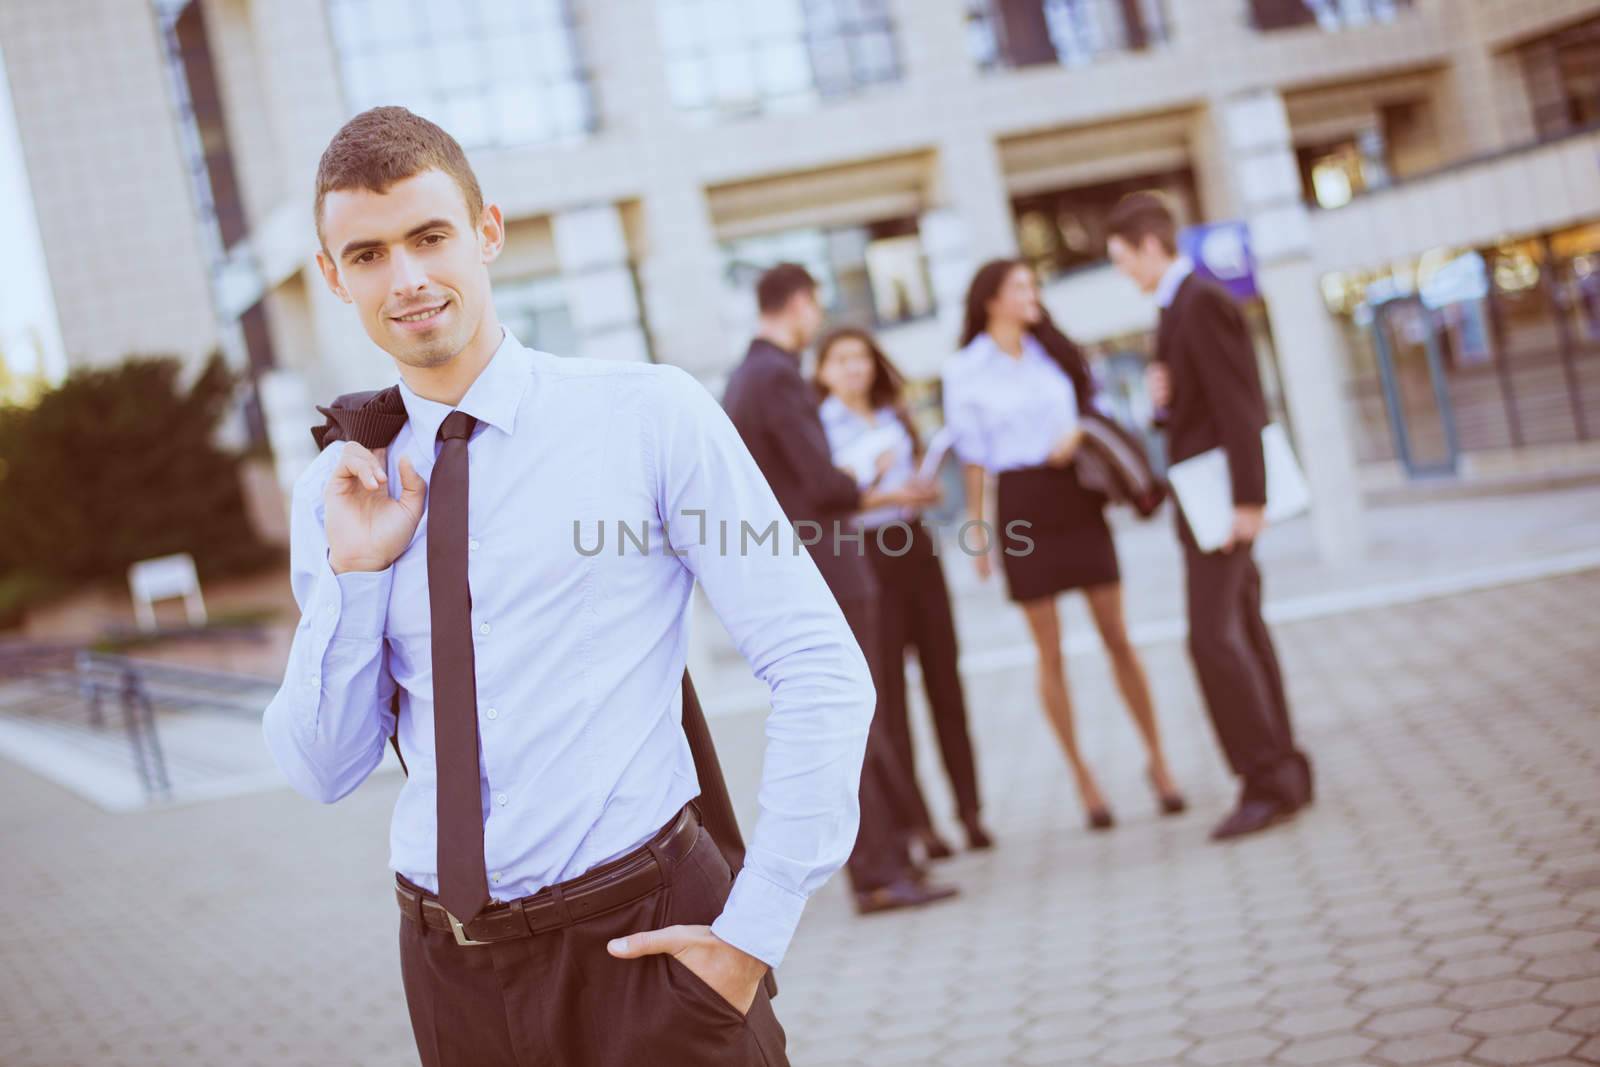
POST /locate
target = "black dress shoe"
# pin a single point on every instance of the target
(978, 838)
(902, 893)
(1250, 817)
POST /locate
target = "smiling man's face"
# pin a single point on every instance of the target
(413, 262)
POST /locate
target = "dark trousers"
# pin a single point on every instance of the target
(560, 999)
(888, 795)
(1239, 674)
(914, 613)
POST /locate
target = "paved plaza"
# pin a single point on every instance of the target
(1439, 904)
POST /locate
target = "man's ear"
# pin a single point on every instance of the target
(491, 232)
(330, 274)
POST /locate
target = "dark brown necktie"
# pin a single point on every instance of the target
(463, 886)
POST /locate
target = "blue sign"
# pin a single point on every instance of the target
(1221, 252)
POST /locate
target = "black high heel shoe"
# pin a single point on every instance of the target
(935, 847)
(1171, 803)
(978, 838)
(1100, 820)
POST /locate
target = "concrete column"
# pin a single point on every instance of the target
(951, 265)
(299, 71)
(593, 253)
(1481, 104)
(680, 271)
(969, 217)
(1310, 351)
(970, 181)
(679, 264)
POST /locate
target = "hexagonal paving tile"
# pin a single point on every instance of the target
(1471, 968)
(1533, 1047)
(1309, 1052)
(1327, 1020)
(1410, 1021)
(1425, 1048)
(1584, 964)
(1400, 994)
(1554, 943)
(1511, 1019)
(1232, 1051)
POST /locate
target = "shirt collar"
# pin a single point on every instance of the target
(493, 397)
(987, 348)
(1167, 288)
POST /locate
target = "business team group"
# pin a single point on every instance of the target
(1015, 397)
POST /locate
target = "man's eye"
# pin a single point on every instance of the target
(367, 257)
(432, 238)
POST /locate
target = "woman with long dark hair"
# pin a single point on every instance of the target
(868, 425)
(1012, 398)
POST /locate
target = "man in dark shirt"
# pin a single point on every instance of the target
(1206, 382)
(775, 410)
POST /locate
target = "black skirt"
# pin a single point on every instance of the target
(1066, 544)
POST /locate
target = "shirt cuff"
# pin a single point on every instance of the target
(760, 917)
(360, 601)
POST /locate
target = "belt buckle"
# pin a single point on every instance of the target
(460, 931)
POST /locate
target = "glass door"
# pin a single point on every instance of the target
(1414, 387)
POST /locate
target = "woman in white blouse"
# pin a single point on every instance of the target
(871, 434)
(1012, 398)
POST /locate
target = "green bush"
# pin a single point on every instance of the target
(117, 465)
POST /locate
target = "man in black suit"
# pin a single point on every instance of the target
(1206, 382)
(775, 410)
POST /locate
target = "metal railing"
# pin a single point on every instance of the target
(1328, 14)
(75, 687)
(1022, 33)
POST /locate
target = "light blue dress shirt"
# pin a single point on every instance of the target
(845, 428)
(579, 654)
(1006, 412)
(1171, 279)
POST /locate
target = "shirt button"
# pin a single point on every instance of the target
(491, 713)
(483, 628)
(313, 682)
(500, 799)
(472, 545)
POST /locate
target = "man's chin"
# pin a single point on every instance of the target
(424, 352)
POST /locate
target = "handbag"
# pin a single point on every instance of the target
(1111, 461)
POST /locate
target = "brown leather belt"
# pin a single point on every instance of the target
(611, 885)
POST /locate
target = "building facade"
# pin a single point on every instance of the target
(651, 155)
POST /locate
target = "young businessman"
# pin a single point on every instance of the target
(776, 411)
(1205, 378)
(560, 902)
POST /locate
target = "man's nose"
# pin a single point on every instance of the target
(407, 275)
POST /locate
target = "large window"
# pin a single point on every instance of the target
(535, 310)
(493, 73)
(729, 57)
(1329, 14)
(1563, 75)
(1023, 33)
(1063, 230)
(873, 275)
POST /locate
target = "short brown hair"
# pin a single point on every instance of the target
(385, 145)
(1141, 215)
(779, 285)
